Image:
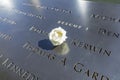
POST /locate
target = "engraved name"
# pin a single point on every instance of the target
(49, 8)
(103, 31)
(6, 20)
(69, 24)
(7, 63)
(91, 48)
(37, 30)
(80, 68)
(77, 67)
(77, 43)
(52, 57)
(5, 36)
(28, 14)
(107, 18)
(28, 46)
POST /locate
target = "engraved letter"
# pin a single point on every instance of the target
(63, 61)
(5, 62)
(104, 78)
(76, 67)
(95, 75)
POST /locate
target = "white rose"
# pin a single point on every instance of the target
(57, 36)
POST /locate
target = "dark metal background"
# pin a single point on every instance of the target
(47, 69)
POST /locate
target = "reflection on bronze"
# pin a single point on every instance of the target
(62, 49)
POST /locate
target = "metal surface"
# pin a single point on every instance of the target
(91, 52)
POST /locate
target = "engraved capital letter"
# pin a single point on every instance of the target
(5, 62)
(104, 78)
(63, 61)
(77, 67)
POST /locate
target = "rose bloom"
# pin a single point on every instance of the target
(57, 36)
